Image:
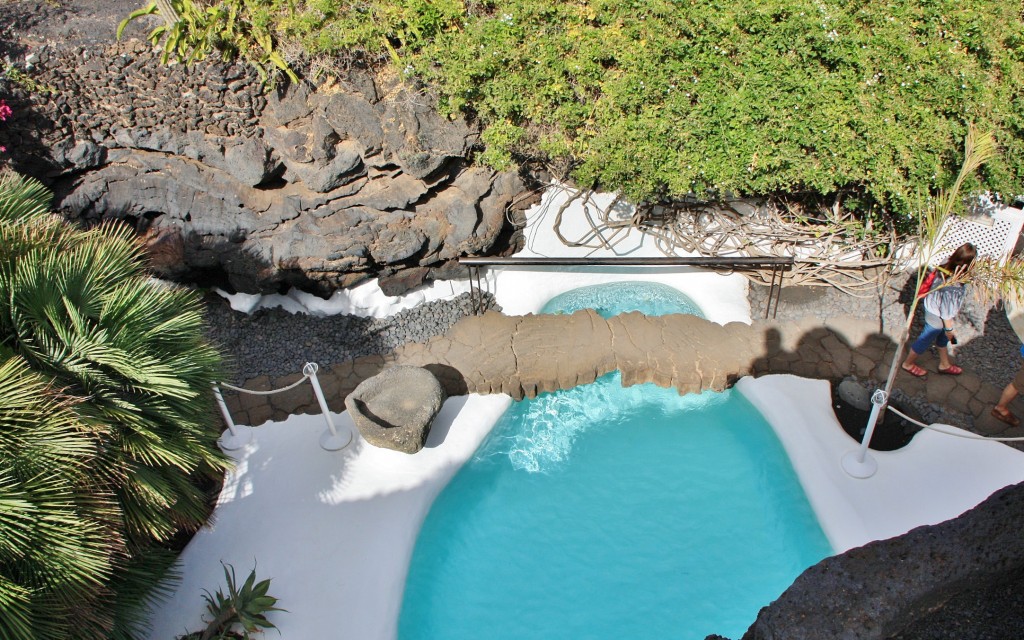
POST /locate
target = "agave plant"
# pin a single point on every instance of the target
(78, 307)
(240, 612)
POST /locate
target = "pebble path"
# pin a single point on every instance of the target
(275, 342)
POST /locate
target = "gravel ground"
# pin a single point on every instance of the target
(274, 342)
(94, 21)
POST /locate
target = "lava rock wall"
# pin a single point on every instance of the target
(257, 189)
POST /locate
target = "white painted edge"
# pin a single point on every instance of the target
(934, 478)
(335, 530)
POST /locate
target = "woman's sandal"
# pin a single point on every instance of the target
(951, 370)
(1007, 417)
(915, 371)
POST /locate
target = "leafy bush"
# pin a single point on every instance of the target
(863, 101)
(328, 25)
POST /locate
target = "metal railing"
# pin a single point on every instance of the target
(778, 265)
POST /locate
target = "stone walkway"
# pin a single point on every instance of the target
(526, 355)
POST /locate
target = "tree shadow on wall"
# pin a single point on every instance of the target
(825, 354)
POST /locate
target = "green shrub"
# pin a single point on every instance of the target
(867, 101)
(328, 25)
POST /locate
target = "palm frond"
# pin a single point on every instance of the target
(149, 578)
(107, 414)
(57, 550)
(23, 199)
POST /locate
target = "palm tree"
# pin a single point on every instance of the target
(78, 307)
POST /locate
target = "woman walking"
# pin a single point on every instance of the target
(942, 302)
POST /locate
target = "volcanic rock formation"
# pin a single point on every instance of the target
(256, 189)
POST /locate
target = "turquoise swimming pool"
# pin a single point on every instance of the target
(610, 512)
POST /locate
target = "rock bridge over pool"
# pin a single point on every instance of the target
(526, 355)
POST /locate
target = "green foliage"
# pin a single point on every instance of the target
(58, 540)
(500, 140)
(244, 607)
(867, 101)
(23, 200)
(234, 28)
(23, 80)
(328, 25)
(134, 373)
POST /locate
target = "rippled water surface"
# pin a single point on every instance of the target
(652, 298)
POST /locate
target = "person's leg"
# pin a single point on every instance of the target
(942, 343)
(1010, 392)
(925, 340)
(1002, 409)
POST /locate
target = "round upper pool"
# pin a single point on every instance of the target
(611, 299)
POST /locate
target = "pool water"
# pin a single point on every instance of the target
(610, 512)
(652, 298)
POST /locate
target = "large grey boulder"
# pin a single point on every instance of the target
(395, 408)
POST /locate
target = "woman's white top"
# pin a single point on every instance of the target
(943, 302)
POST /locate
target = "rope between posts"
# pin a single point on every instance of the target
(969, 436)
(330, 440)
(304, 377)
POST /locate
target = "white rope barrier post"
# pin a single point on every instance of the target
(331, 440)
(860, 464)
(234, 437)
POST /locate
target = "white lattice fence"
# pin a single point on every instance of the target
(995, 240)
